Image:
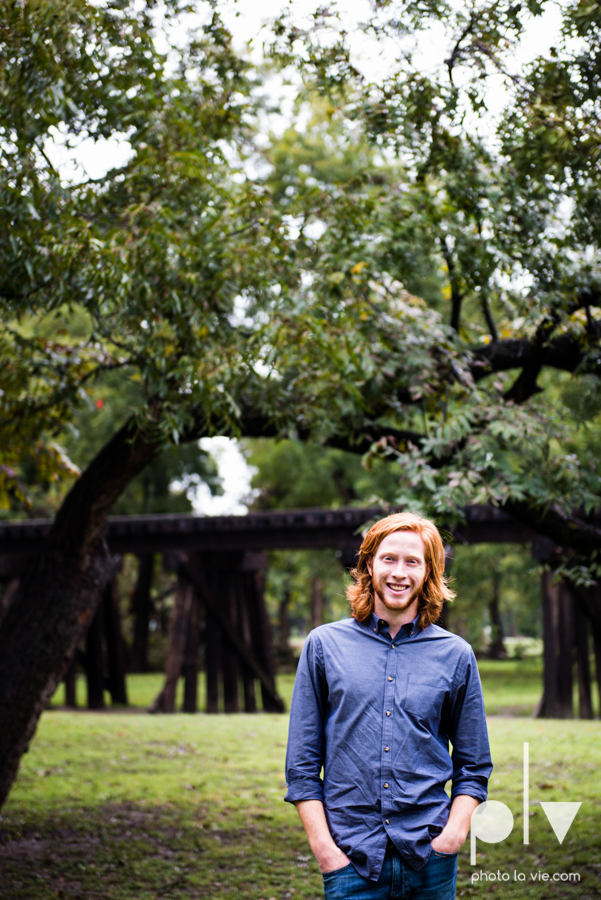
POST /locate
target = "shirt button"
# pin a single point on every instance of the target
(385, 784)
(387, 712)
(393, 646)
(386, 749)
(389, 678)
(388, 821)
(375, 629)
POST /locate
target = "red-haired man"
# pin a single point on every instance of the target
(377, 699)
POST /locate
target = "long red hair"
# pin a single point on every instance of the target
(435, 590)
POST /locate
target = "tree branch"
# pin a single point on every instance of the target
(488, 316)
(456, 295)
(566, 530)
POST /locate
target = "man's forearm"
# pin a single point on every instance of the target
(455, 831)
(327, 854)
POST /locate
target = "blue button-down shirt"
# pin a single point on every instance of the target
(377, 713)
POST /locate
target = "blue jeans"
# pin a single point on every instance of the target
(398, 881)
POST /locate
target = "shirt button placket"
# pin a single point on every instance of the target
(389, 687)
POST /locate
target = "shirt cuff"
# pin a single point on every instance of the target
(471, 789)
(304, 789)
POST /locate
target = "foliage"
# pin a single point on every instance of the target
(500, 207)
(474, 568)
(197, 811)
(292, 475)
(372, 288)
(137, 272)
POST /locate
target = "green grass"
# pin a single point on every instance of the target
(121, 806)
(511, 687)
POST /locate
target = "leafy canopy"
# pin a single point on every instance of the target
(401, 277)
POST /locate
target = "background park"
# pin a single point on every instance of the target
(355, 251)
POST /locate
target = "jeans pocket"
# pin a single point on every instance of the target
(442, 855)
(326, 875)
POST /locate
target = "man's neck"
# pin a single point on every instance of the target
(395, 618)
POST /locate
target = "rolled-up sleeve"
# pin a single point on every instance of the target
(472, 763)
(306, 739)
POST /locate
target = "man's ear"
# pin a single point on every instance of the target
(368, 564)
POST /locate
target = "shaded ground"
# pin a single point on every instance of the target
(125, 851)
(138, 807)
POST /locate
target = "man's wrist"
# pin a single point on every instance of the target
(450, 839)
(330, 857)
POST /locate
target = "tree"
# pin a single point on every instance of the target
(502, 211)
(196, 280)
(150, 260)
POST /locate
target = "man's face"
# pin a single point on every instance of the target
(398, 571)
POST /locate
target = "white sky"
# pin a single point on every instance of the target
(247, 20)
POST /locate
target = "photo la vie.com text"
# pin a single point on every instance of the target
(492, 822)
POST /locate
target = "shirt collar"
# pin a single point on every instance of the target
(381, 626)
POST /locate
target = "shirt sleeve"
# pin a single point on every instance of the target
(306, 738)
(472, 763)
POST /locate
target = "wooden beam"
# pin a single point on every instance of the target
(216, 611)
(585, 703)
(115, 645)
(269, 530)
(141, 610)
(226, 590)
(184, 597)
(70, 681)
(550, 611)
(213, 647)
(94, 661)
(565, 660)
(190, 666)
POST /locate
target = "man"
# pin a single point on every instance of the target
(377, 698)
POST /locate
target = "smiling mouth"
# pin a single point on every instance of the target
(397, 588)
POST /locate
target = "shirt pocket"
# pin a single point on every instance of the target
(425, 695)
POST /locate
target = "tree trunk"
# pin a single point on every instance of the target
(316, 602)
(550, 609)
(597, 645)
(10, 592)
(141, 609)
(565, 668)
(284, 634)
(585, 704)
(497, 647)
(58, 596)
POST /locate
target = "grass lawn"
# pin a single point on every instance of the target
(511, 687)
(124, 805)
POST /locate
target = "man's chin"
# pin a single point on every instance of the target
(395, 605)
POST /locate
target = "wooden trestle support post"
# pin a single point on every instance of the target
(565, 644)
(104, 653)
(222, 594)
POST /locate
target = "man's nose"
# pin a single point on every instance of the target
(398, 569)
